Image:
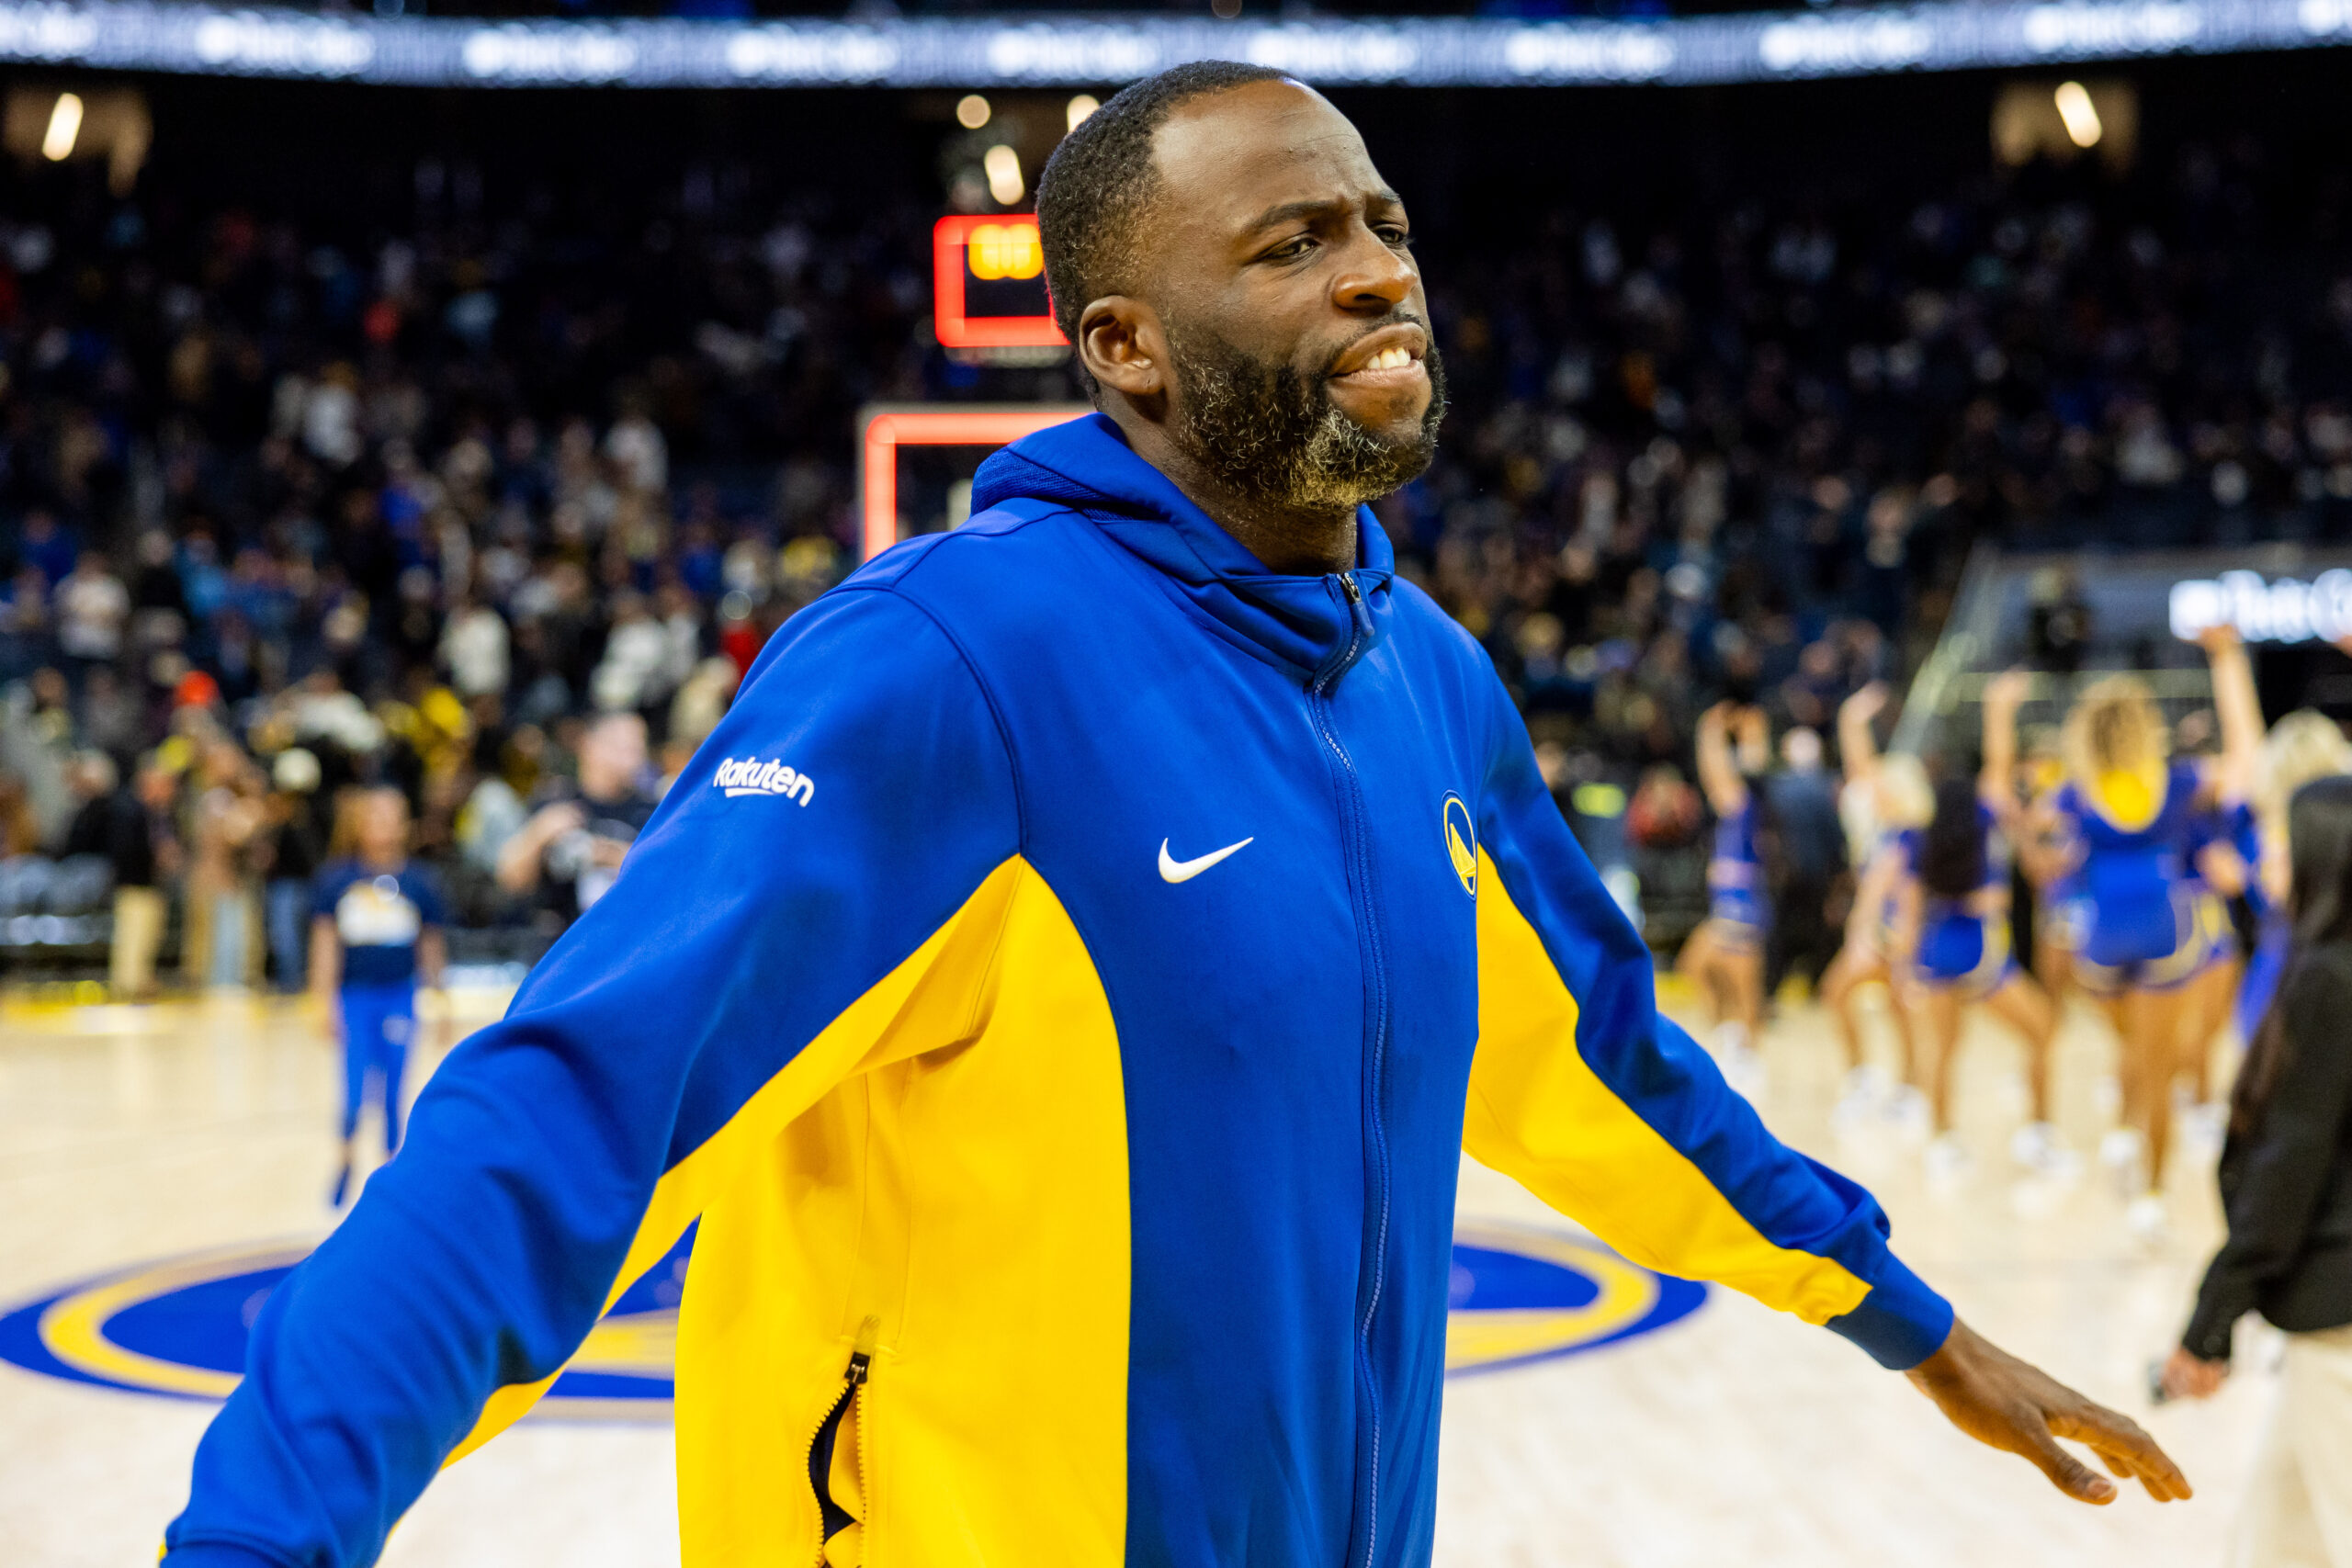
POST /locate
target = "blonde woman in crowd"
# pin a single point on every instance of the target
(2125, 808)
(2302, 747)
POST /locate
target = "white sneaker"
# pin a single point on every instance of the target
(2041, 1149)
(2123, 1154)
(1870, 1083)
(1852, 1116)
(2032, 1144)
(2145, 1218)
(1859, 1099)
(1907, 1112)
(1744, 1070)
(2205, 1127)
(1948, 1162)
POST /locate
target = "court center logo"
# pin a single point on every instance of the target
(179, 1328)
(1461, 844)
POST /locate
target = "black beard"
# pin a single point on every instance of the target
(1270, 435)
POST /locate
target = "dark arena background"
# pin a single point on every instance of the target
(456, 402)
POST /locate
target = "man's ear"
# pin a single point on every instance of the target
(1122, 345)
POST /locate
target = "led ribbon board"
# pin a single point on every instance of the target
(975, 424)
(1039, 52)
(987, 275)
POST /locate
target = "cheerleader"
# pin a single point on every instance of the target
(2126, 809)
(1725, 957)
(1954, 940)
(2219, 872)
(1894, 797)
(2045, 853)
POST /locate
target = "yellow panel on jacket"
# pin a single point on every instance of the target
(1538, 1112)
(973, 1198)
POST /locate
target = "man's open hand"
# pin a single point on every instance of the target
(2002, 1402)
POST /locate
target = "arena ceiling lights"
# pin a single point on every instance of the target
(1095, 51)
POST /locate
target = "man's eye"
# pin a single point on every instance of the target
(1395, 233)
(1291, 250)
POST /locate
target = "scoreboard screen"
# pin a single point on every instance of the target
(989, 283)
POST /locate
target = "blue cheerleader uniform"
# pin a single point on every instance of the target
(1736, 904)
(1960, 948)
(2138, 914)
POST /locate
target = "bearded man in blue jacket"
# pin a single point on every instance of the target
(1060, 992)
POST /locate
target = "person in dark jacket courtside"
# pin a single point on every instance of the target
(2287, 1186)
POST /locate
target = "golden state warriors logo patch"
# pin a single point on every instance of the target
(1461, 844)
(179, 1328)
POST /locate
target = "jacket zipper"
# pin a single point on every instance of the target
(854, 1376)
(1376, 1046)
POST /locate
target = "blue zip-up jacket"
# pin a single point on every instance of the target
(1060, 990)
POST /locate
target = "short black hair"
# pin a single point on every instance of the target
(1091, 195)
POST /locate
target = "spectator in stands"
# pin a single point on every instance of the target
(36, 744)
(295, 822)
(222, 945)
(145, 854)
(474, 649)
(702, 701)
(20, 831)
(93, 609)
(112, 719)
(570, 851)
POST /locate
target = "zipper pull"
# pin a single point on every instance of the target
(1358, 612)
(861, 1356)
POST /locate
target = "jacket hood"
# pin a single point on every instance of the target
(1305, 622)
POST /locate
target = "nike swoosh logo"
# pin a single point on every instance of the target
(1172, 870)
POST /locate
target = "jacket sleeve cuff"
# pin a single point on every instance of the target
(2208, 1335)
(1901, 1323)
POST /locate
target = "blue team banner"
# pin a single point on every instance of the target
(1012, 52)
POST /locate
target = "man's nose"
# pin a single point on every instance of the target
(1378, 276)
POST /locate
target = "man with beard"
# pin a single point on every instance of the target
(1054, 994)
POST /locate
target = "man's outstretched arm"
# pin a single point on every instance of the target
(839, 840)
(1614, 1116)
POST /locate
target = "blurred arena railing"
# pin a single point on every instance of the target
(2074, 617)
(1035, 51)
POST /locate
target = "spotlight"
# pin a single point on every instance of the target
(972, 111)
(1002, 166)
(1079, 108)
(64, 127)
(2081, 116)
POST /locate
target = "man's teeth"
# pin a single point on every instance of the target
(1390, 359)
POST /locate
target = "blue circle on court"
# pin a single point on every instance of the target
(179, 1328)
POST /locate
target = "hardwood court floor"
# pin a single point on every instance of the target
(1736, 1437)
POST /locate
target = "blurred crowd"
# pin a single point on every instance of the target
(497, 500)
